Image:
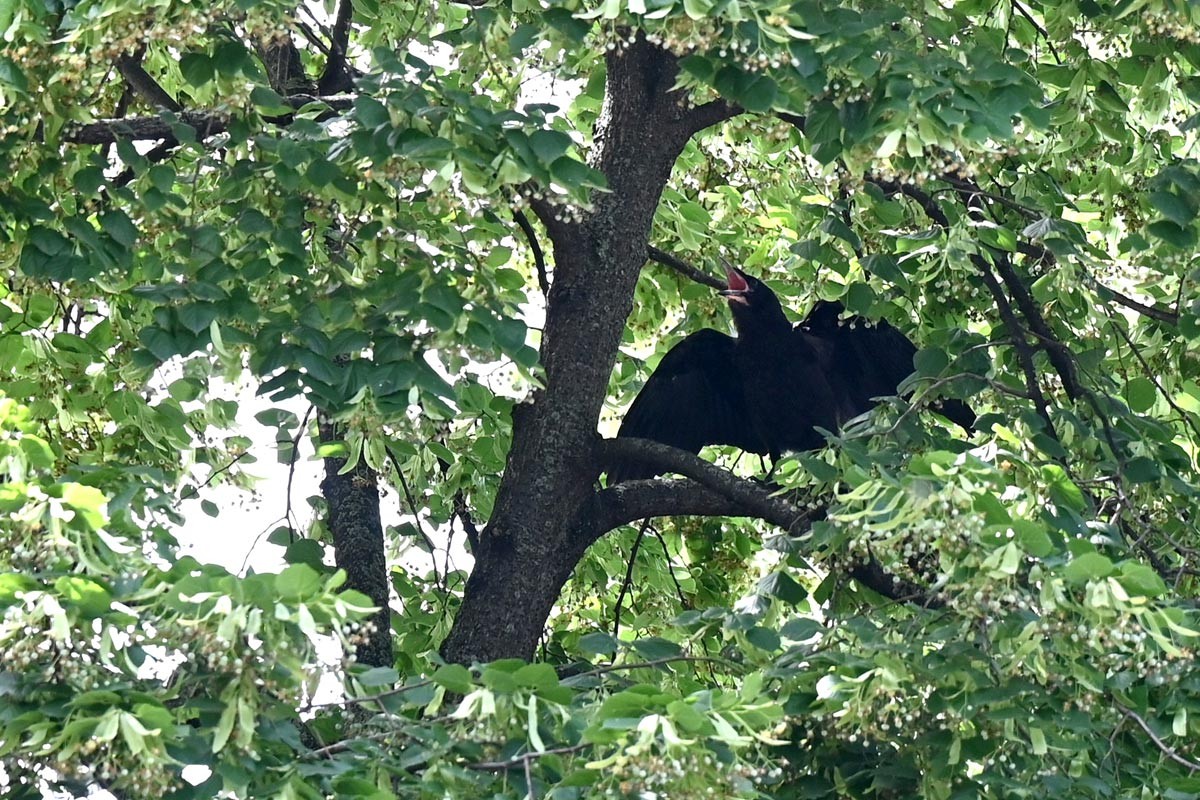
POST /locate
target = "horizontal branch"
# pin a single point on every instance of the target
(1154, 312)
(709, 114)
(656, 497)
(872, 575)
(712, 491)
(206, 123)
(708, 490)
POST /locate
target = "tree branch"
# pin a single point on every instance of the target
(712, 491)
(145, 86)
(683, 268)
(539, 258)
(206, 123)
(872, 575)
(628, 582)
(336, 75)
(464, 518)
(709, 114)
(1059, 354)
(634, 500)
(1007, 315)
(1154, 312)
(1166, 749)
(548, 213)
(1019, 342)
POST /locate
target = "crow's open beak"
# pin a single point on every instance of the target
(738, 287)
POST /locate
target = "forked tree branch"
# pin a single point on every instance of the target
(750, 498)
(336, 76)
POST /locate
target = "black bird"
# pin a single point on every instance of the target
(767, 390)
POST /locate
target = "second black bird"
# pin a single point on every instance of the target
(771, 387)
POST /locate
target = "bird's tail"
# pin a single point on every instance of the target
(957, 412)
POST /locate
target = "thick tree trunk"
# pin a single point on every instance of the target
(535, 536)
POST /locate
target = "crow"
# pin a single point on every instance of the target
(768, 390)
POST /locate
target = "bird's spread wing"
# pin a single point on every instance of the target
(695, 397)
(871, 360)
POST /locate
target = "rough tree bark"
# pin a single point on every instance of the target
(542, 521)
(358, 543)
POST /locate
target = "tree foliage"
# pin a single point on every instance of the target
(332, 205)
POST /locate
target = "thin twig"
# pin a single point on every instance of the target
(1020, 344)
(652, 663)
(292, 469)
(670, 569)
(539, 259)
(1154, 312)
(526, 758)
(1038, 27)
(374, 698)
(412, 507)
(464, 518)
(1149, 373)
(628, 582)
(1166, 749)
(195, 490)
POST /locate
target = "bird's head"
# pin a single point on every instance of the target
(753, 304)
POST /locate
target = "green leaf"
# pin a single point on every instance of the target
(1173, 207)
(860, 298)
(537, 676)
(801, 629)
(598, 643)
(117, 225)
(267, 101)
(1062, 490)
(1140, 394)
(1032, 538)
(196, 317)
(549, 145)
(454, 677)
(931, 362)
(783, 586)
(378, 676)
(655, 647)
(1037, 742)
(575, 174)
(196, 68)
(763, 638)
(759, 96)
(297, 582)
(1172, 233)
(40, 308)
(1141, 469)
(92, 599)
(1140, 579)
(1088, 566)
